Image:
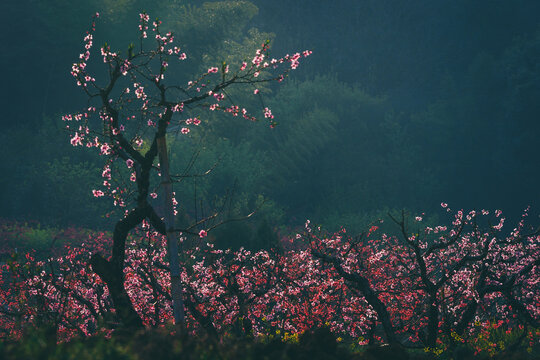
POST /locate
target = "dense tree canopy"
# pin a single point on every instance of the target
(421, 78)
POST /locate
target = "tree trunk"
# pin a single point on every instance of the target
(115, 283)
(112, 272)
(361, 284)
(172, 243)
(433, 321)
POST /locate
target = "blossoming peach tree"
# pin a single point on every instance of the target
(432, 287)
(135, 107)
(433, 282)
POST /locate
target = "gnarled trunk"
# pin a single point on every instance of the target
(112, 271)
(115, 283)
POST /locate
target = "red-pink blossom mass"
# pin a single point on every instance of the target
(318, 281)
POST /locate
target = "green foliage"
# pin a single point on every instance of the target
(355, 222)
(494, 339)
(209, 27)
(212, 34)
(233, 186)
(336, 152)
(459, 110)
(162, 344)
(435, 130)
(253, 235)
(118, 16)
(340, 150)
(52, 184)
(36, 238)
(153, 344)
(38, 344)
(58, 182)
(521, 72)
(64, 192)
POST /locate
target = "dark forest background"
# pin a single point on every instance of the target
(403, 104)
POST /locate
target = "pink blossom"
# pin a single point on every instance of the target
(294, 60)
(105, 149)
(268, 113)
(219, 96)
(124, 68)
(258, 59)
(76, 140)
(106, 173)
(202, 233)
(184, 130)
(144, 17)
(97, 193)
(140, 93)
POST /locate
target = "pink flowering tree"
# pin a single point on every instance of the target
(439, 281)
(369, 289)
(127, 119)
